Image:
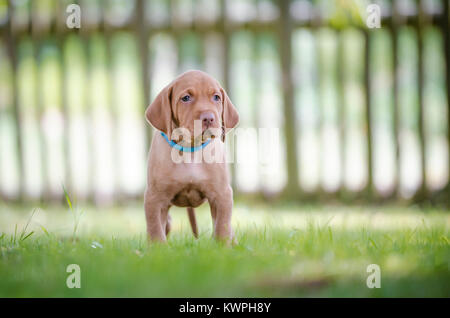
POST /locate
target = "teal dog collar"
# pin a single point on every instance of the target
(173, 144)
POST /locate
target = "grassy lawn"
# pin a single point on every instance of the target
(283, 251)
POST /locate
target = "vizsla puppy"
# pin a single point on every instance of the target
(199, 107)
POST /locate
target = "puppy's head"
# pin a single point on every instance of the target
(193, 96)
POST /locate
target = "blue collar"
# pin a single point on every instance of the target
(173, 144)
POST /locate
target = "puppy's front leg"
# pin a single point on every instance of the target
(221, 211)
(153, 209)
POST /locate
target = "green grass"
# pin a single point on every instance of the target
(286, 251)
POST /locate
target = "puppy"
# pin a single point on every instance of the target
(192, 115)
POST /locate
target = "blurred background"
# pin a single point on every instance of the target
(363, 114)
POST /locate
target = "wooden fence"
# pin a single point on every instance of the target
(41, 21)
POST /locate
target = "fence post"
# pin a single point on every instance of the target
(341, 108)
(84, 35)
(445, 24)
(292, 188)
(421, 194)
(111, 101)
(226, 66)
(396, 103)
(368, 118)
(176, 33)
(12, 52)
(257, 39)
(60, 43)
(37, 39)
(320, 103)
(143, 38)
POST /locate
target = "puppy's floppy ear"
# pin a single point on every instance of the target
(159, 113)
(230, 116)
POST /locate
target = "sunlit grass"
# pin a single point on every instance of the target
(282, 251)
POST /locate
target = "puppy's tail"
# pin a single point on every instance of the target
(192, 221)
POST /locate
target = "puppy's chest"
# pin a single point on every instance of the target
(190, 174)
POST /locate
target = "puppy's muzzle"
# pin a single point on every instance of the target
(207, 119)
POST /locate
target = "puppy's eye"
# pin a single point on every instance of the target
(216, 98)
(186, 98)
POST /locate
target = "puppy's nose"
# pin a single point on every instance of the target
(207, 119)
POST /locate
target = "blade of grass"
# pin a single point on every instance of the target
(29, 234)
(44, 230)
(75, 214)
(373, 243)
(67, 197)
(24, 230)
(15, 234)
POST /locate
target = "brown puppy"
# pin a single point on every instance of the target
(192, 96)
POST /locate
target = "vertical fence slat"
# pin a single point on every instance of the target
(143, 39)
(226, 47)
(2, 113)
(84, 37)
(256, 88)
(37, 39)
(396, 101)
(445, 25)
(226, 65)
(420, 87)
(321, 106)
(292, 188)
(111, 104)
(341, 107)
(60, 43)
(12, 52)
(89, 113)
(368, 113)
(175, 30)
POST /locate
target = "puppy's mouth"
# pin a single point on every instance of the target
(207, 133)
